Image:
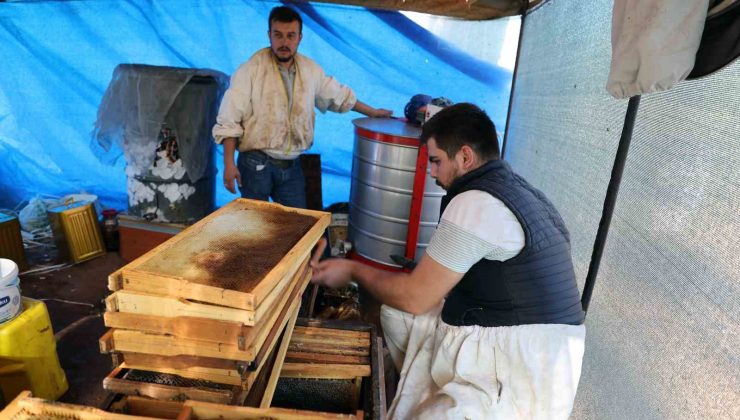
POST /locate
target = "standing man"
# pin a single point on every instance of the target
(489, 325)
(268, 114)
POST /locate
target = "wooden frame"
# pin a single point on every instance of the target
(195, 410)
(332, 366)
(324, 371)
(172, 324)
(118, 383)
(276, 367)
(221, 376)
(235, 395)
(250, 340)
(331, 341)
(140, 406)
(328, 353)
(133, 277)
(323, 349)
(40, 408)
(215, 370)
(196, 328)
(126, 301)
(202, 410)
(137, 304)
(181, 326)
(146, 409)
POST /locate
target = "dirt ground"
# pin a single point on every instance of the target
(74, 297)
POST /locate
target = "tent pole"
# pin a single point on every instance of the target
(513, 81)
(610, 199)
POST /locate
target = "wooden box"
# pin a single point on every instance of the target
(333, 366)
(234, 257)
(205, 379)
(318, 352)
(215, 303)
(189, 342)
(138, 236)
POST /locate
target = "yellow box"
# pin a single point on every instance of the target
(28, 355)
(77, 231)
(11, 242)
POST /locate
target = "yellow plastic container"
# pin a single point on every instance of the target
(11, 241)
(76, 231)
(28, 355)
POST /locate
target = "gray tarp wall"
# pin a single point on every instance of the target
(662, 340)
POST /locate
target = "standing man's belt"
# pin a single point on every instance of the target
(280, 163)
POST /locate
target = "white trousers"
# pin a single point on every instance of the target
(472, 372)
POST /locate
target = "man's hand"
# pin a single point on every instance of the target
(231, 173)
(381, 113)
(366, 109)
(332, 273)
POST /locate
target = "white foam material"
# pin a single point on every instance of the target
(176, 192)
(166, 169)
(139, 192)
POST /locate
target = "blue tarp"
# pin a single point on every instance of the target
(57, 58)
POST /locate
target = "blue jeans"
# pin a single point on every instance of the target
(264, 178)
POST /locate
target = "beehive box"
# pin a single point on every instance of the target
(329, 366)
(234, 257)
(212, 303)
(333, 366)
(205, 379)
(138, 236)
(133, 355)
(164, 383)
(195, 329)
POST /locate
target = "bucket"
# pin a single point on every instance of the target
(28, 355)
(10, 291)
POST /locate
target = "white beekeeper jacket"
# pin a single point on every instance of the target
(471, 372)
(255, 110)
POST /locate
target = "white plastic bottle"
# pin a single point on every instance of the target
(10, 291)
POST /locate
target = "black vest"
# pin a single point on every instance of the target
(538, 286)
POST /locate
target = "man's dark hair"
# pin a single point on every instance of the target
(462, 124)
(284, 14)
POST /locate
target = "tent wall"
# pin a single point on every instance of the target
(58, 57)
(663, 340)
(493, 41)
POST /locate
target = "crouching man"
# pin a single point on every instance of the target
(489, 325)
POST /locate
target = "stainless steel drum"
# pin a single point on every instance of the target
(385, 187)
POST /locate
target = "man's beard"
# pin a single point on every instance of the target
(283, 59)
(455, 175)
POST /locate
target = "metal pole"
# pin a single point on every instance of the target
(513, 81)
(610, 199)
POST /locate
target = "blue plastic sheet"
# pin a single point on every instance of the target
(57, 58)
